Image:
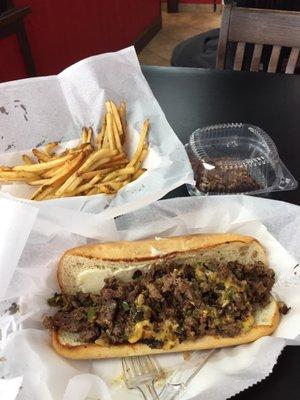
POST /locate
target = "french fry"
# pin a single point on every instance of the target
(115, 185)
(138, 173)
(47, 191)
(86, 169)
(37, 192)
(76, 150)
(120, 178)
(122, 112)
(49, 148)
(90, 134)
(74, 180)
(40, 155)
(84, 134)
(51, 172)
(95, 166)
(110, 132)
(110, 187)
(116, 163)
(118, 157)
(105, 143)
(17, 175)
(27, 160)
(94, 190)
(102, 172)
(85, 187)
(140, 143)
(117, 118)
(43, 166)
(101, 162)
(100, 136)
(64, 170)
(108, 107)
(141, 159)
(39, 182)
(115, 174)
(105, 189)
(95, 156)
(17, 179)
(116, 136)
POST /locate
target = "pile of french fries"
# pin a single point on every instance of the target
(97, 165)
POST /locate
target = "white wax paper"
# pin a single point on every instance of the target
(39, 110)
(26, 351)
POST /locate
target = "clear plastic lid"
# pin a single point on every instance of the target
(236, 158)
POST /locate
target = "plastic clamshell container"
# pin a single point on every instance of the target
(236, 158)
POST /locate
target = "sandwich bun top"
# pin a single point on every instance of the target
(84, 268)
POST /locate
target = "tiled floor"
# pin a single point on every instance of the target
(176, 28)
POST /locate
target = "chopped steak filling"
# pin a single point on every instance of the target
(167, 304)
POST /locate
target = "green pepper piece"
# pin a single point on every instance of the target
(125, 306)
(54, 300)
(91, 314)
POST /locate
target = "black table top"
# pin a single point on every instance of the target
(193, 98)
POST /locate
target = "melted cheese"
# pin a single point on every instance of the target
(138, 330)
(144, 330)
(92, 280)
(248, 323)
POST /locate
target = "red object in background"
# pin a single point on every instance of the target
(62, 32)
(197, 1)
(200, 1)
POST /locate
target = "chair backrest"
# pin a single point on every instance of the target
(259, 27)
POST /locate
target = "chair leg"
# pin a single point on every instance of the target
(25, 49)
(215, 5)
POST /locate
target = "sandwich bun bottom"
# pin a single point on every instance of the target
(269, 317)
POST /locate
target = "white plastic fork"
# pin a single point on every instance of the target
(140, 373)
(178, 382)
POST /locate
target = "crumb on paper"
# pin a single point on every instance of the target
(3, 110)
(10, 146)
(13, 308)
(93, 398)
(118, 380)
(25, 112)
(283, 308)
(186, 355)
(41, 143)
(161, 379)
(162, 376)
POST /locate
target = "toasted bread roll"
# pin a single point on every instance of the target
(85, 268)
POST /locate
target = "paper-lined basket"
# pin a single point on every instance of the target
(55, 108)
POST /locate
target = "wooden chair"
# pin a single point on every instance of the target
(12, 22)
(259, 27)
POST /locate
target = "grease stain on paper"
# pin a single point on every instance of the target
(10, 146)
(23, 107)
(3, 110)
(41, 143)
